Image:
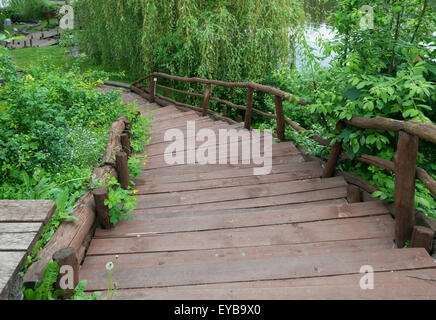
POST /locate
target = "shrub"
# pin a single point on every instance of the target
(28, 10)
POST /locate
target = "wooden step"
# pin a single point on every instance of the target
(330, 230)
(271, 268)
(144, 224)
(396, 285)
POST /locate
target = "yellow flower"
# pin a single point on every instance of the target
(29, 77)
(145, 156)
(135, 191)
(145, 163)
(92, 122)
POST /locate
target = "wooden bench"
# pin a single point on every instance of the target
(21, 225)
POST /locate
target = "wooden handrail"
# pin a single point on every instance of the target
(421, 130)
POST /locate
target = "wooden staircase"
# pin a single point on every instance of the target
(219, 232)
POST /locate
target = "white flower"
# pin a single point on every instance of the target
(109, 266)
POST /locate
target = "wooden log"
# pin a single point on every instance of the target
(335, 152)
(353, 194)
(255, 86)
(152, 89)
(404, 195)
(114, 141)
(205, 105)
(280, 117)
(248, 112)
(422, 237)
(122, 169)
(102, 210)
(67, 261)
(427, 180)
(426, 131)
(125, 143)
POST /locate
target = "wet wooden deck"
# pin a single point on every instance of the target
(219, 232)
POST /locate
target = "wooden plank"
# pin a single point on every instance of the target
(158, 137)
(26, 210)
(20, 227)
(237, 193)
(388, 286)
(11, 263)
(158, 162)
(143, 224)
(226, 182)
(94, 269)
(137, 260)
(287, 199)
(171, 212)
(273, 268)
(17, 241)
(330, 230)
(153, 181)
(404, 194)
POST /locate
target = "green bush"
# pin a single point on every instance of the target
(53, 133)
(29, 10)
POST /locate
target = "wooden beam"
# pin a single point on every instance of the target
(248, 112)
(404, 195)
(335, 153)
(122, 169)
(205, 105)
(102, 210)
(422, 237)
(67, 259)
(278, 101)
(152, 88)
(353, 194)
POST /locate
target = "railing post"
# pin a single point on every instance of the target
(68, 263)
(404, 195)
(205, 104)
(152, 88)
(280, 117)
(335, 153)
(122, 169)
(248, 111)
(102, 210)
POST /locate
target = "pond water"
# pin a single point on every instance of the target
(316, 28)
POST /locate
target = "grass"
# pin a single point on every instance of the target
(59, 57)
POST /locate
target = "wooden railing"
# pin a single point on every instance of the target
(404, 164)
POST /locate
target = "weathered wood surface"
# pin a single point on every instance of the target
(219, 232)
(21, 224)
(26, 210)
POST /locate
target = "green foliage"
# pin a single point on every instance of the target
(120, 202)
(53, 132)
(190, 38)
(46, 289)
(388, 71)
(28, 10)
(134, 164)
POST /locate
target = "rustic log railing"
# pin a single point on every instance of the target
(404, 164)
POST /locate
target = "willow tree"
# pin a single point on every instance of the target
(221, 39)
